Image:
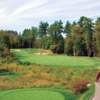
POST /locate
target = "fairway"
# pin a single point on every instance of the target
(35, 94)
(25, 55)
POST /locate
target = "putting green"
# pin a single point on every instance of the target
(32, 95)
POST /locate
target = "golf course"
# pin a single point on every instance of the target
(40, 75)
(49, 50)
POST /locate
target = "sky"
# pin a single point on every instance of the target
(20, 14)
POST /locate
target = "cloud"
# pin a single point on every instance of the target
(25, 13)
(2, 12)
(28, 6)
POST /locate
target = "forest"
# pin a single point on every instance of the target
(80, 38)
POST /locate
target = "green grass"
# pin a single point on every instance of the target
(27, 55)
(36, 94)
(43, 94)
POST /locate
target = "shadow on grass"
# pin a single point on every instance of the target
(5, 72)
(19, 56)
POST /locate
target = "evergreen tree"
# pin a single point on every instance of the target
(55, 32)
(96, 37)
(86, 28)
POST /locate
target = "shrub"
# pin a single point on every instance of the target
(79, 86)
(7, 60)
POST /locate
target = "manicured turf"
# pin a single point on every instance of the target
(36, 94)
(44, 94)
(26, 55)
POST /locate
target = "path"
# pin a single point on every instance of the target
(97, 92)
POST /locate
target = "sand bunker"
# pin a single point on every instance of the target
(40, 53)
(37, 53)
(17, 50)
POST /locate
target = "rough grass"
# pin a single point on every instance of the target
(27, 55)
(15, 76)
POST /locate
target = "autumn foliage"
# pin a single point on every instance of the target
(79, 86)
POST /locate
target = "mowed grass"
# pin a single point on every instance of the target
(37, 94)
(27, 55)
(44, 94)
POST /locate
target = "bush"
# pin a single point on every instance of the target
(5, 52)
(7, 60)
(79, 86)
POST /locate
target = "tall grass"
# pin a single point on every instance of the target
(20, 76)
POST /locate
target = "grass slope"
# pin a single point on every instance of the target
(37, 94)
(27, 55)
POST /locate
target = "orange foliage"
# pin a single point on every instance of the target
(79, 86)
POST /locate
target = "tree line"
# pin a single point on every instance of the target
(82, 38)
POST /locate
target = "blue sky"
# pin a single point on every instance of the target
(20, 14)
